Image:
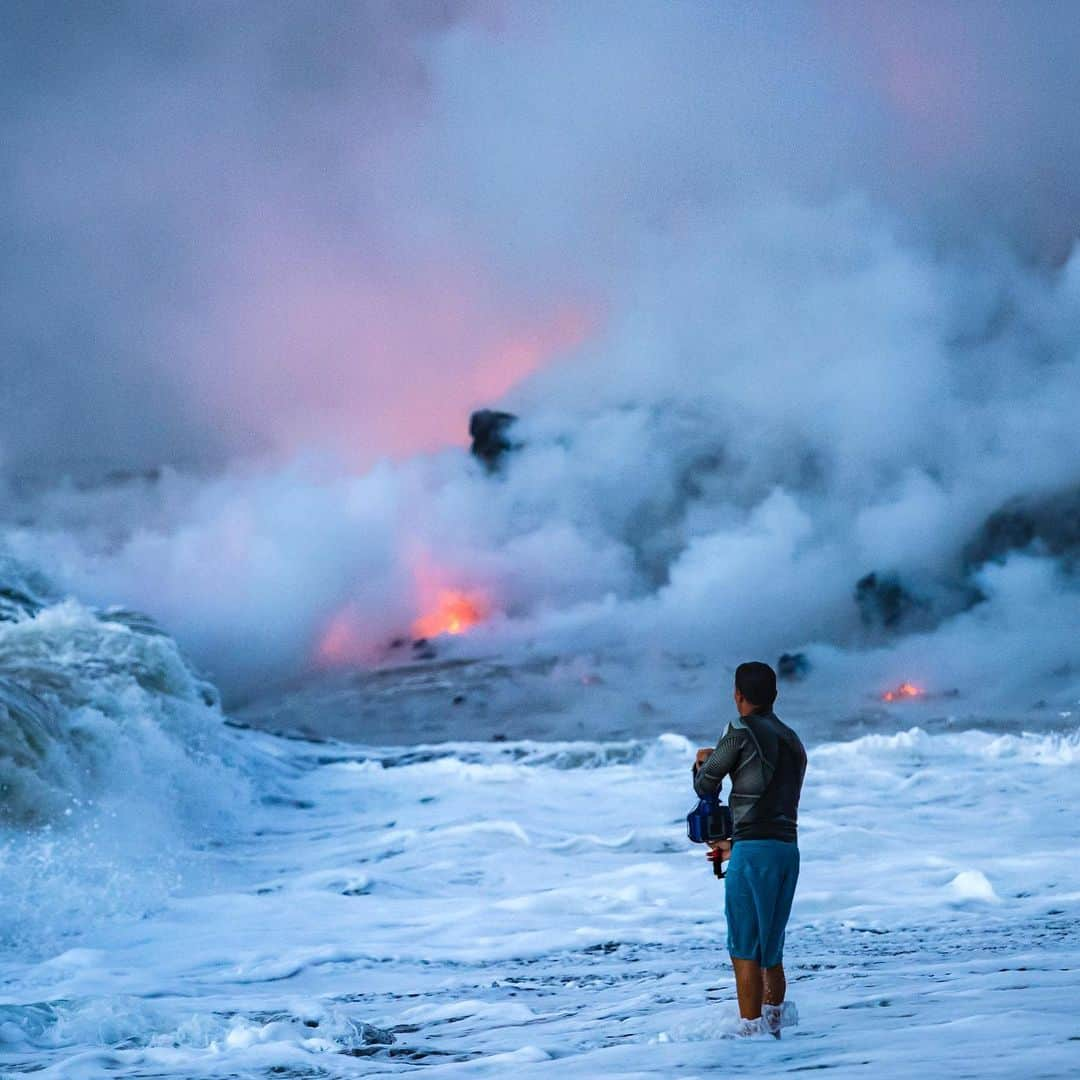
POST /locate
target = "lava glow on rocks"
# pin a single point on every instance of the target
(347, 640)
(902, 692)
(454, 612)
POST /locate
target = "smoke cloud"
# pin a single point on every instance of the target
(780, 296)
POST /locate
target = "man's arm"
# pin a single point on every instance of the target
(720, 763)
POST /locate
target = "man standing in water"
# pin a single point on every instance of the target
(766, 762)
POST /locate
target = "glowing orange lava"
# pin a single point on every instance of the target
(341, 642)
(904, 690)
(454, 613)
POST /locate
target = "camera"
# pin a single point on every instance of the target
(708, 822)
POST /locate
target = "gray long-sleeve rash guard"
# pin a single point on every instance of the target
(766, 762)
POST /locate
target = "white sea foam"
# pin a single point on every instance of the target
(114, 765)
(479, 907)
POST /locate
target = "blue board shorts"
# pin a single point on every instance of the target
(758, 890)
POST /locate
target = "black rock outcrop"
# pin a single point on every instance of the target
(883, 602)
(793, 666)
(1049, 524)
(488, 430)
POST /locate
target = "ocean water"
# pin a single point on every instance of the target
(185, 898)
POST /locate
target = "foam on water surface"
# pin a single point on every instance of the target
(488, 908)
(115, 771)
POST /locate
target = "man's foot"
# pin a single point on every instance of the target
(747, 1029)
(779, 1016)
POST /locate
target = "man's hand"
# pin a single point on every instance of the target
(724, 847)
(703, 755)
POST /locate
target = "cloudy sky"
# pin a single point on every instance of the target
(239, 229)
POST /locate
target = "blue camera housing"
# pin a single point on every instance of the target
(710, 820)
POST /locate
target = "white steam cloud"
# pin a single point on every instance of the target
(794, 294)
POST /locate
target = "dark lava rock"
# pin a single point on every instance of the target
(376, 1035)
(423, 649)
(793, 666)
(366, 1040)
(883, 601)
(1051, 523)
(488, 431)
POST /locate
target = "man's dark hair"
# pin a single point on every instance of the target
(757, 683)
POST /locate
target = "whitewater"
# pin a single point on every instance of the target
(412, 415)
(189, 896)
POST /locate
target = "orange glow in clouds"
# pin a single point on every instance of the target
(350, 638)
(320, 353)
(454, 612)
(529, 348)
(341, 641)
(903, 691)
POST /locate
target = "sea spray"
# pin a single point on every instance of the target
(114, 763)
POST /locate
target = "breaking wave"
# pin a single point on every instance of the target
(113, 758)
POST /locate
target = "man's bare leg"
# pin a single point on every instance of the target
(775, 985)
(749, 985)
